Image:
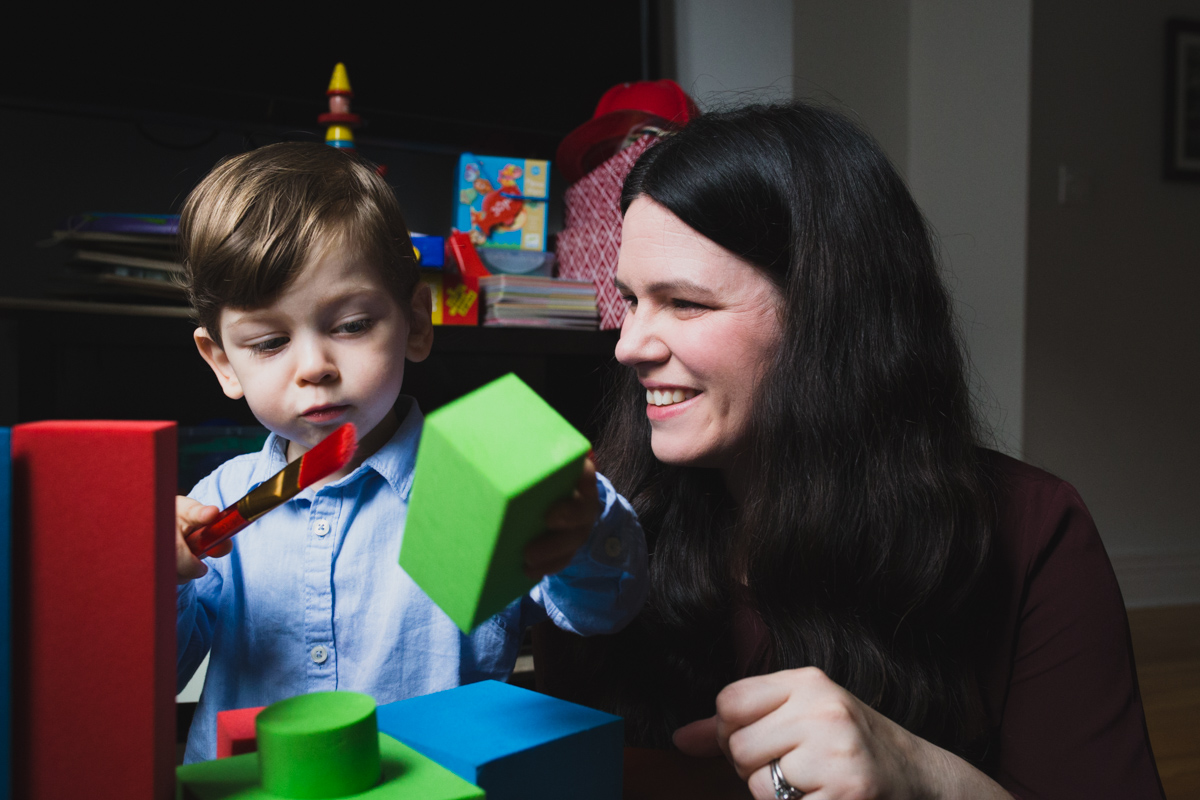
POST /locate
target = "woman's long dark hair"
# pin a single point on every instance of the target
(865, 533)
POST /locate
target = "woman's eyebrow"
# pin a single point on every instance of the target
(669, 287)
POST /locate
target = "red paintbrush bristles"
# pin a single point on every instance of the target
(333, 453)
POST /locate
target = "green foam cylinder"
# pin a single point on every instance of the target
(320, 745)
(489, 466)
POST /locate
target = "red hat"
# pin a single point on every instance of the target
(623, 109)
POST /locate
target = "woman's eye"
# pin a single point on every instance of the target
(687, 304)
(630, 300)
(355, 326)
(269, 345)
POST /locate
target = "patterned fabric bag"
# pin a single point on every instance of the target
(588, 245)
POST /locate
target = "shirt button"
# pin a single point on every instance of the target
(322, 527)
(319, 654)
(612, 546)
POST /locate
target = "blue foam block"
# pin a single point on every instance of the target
(513, 743)
(5, 614)
(432, 250)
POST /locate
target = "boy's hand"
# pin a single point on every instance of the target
(189, 516)
(568, 525)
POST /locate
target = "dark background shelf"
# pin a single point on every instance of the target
(70, 365)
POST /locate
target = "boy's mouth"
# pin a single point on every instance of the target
(324, 413)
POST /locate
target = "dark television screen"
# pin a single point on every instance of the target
(509, 78)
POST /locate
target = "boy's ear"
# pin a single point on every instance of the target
(215, 355)
(420, 324)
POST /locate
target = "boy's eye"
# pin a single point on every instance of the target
(355, 326)
(269, 345)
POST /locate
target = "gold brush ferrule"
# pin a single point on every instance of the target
(279, 488)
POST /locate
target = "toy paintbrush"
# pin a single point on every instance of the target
(333, 453)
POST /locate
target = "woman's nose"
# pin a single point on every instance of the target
(640, 343)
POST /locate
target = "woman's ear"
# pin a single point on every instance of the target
(216, 358)
(420, 324)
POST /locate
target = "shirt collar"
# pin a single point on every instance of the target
(394, 461)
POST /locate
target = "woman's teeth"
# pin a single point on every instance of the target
(656, 397)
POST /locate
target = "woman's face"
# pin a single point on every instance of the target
(701, 327)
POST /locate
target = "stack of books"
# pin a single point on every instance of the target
(525, 301)
(125, 254)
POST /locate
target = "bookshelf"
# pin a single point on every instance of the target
(80, 360)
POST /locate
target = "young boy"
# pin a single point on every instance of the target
(302, 275)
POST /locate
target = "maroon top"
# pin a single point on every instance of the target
(1058, 677)
(1059, 681)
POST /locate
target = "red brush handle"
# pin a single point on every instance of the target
(201, 540)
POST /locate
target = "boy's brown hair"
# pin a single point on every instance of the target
(250, 226)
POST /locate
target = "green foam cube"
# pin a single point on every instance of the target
(489, 466)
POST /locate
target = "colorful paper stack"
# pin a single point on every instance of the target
(520, 301)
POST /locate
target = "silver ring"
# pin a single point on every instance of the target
(783, 789)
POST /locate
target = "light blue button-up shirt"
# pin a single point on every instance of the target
(312, 598)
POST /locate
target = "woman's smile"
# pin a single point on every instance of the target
(666, 404)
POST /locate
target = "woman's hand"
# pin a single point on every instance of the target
(829, 744)
(190, 516)
(568, 525)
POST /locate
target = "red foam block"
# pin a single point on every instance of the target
(94, 581)
(236, 733)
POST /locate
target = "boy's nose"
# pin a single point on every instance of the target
(316, 364)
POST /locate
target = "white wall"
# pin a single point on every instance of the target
(859, 63)
(1113, 359)
(944, 87)
(729, 52)
(968, 163)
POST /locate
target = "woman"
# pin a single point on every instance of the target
(850, 597)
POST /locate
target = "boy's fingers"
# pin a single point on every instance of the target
(552, 545)
(189, 514)
(223, 549)
(588, 477)
(582, 507)
(187, 566)
(569, 522)
(572, 513)
(537, 571)
(205, 515)
(586, 488)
